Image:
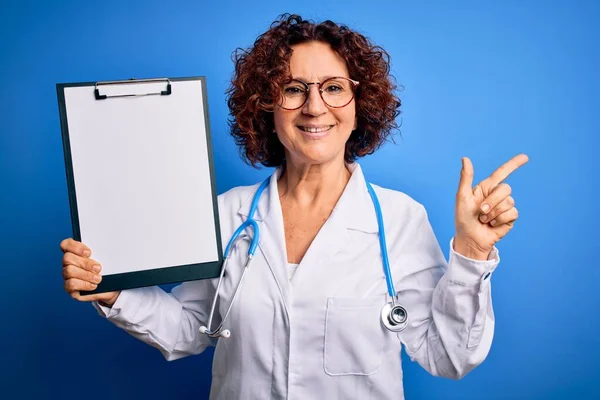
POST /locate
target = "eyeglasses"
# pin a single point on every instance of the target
(335, 92)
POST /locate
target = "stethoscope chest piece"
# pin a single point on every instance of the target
(394, 317)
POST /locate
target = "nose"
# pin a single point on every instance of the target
(314, 105)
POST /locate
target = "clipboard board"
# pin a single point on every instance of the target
(140, 177)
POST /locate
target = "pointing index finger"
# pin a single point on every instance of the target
(508, 168)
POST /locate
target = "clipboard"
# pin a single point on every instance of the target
(140, 177)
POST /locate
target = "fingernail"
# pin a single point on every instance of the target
(96, 268)
(485, 208)
(493, 222)
(483, 218)
(97, 278)
(87, 253)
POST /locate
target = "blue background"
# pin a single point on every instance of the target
(483, 80)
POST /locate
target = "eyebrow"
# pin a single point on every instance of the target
(323, 78)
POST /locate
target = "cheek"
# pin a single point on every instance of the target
(349, 120)
(284, 116)
(282, 120)
(282, 129)
(279, 123)
(347, 115)
(276, 120)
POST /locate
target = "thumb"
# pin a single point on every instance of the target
(466, 177)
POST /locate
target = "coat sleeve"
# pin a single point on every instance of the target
(449, 305)
(169, 322)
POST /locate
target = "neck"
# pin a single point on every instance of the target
(313, 184)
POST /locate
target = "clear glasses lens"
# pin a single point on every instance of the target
(335, 92)
(294, 95)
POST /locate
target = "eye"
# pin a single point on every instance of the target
(336, 86)
(293, 90)
(333, 88)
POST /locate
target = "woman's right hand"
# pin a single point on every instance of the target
(81, 273)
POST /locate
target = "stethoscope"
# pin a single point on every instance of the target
(393, 316)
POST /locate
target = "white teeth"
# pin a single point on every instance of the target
(315, 130)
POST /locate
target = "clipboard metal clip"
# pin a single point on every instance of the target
(165, 92)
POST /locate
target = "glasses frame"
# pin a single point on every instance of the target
(320, 85)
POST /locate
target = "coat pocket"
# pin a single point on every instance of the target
(354, 336)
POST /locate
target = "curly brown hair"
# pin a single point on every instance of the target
(261, 70)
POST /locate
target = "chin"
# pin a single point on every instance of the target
(316, 155)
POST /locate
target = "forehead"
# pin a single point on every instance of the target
(316, 60)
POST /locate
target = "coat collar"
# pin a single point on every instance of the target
(354, 209)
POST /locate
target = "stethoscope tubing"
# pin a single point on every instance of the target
(382, 243)
(251, 222)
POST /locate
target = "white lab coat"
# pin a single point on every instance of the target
(319, 335)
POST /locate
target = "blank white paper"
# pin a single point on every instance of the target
(142, 177)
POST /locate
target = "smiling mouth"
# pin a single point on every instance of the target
(315, 129)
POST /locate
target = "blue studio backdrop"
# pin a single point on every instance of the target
(486, 80)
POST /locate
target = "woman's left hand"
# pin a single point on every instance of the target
(485, 213)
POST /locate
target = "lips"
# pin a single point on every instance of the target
(315, 131)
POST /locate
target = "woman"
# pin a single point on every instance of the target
(310, 99)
